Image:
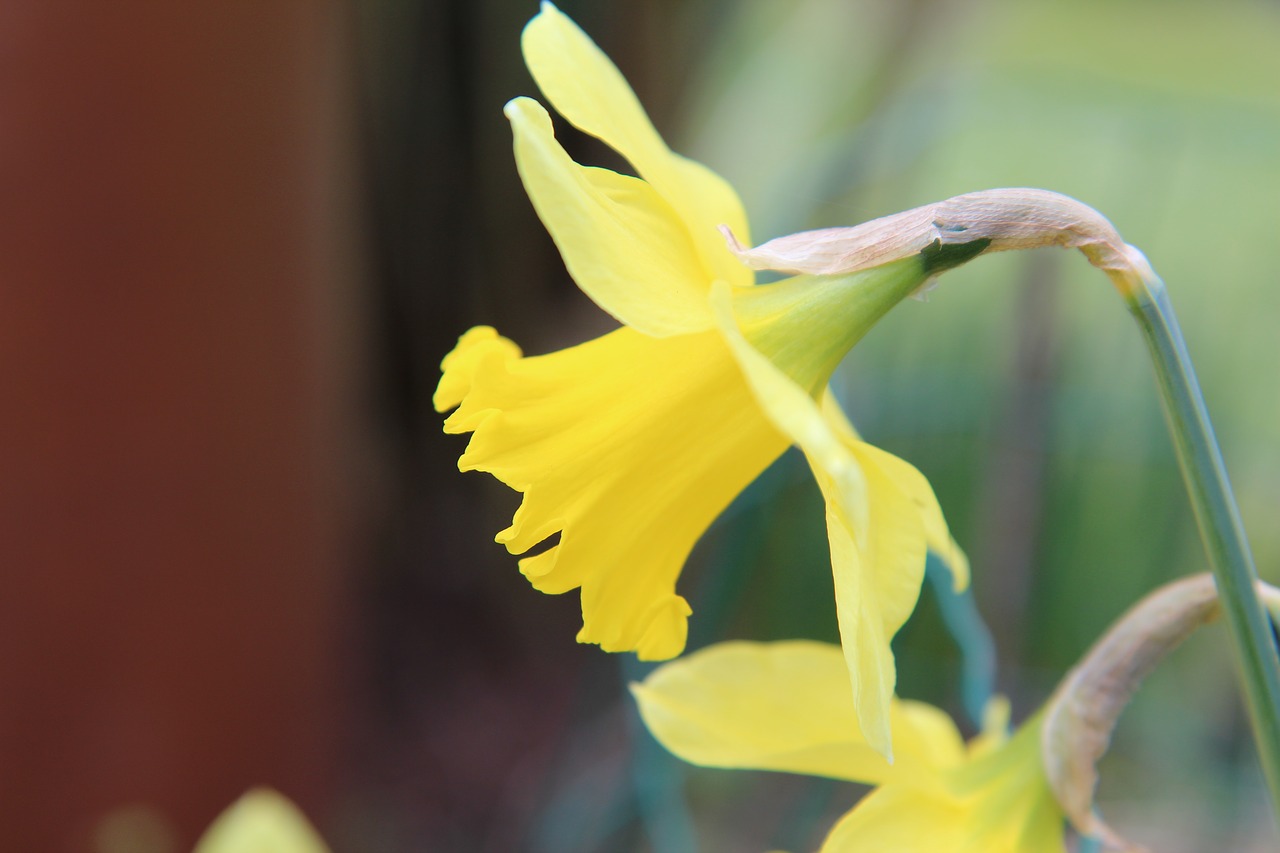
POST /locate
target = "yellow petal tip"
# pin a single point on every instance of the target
(261, 821)
(514, 105)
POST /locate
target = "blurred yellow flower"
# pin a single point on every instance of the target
(785, 706)
(630, 445)
(262, 821)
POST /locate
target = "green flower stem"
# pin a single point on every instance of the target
(1089, 845)
(657, 783)
(1217, 517)
(977, 649)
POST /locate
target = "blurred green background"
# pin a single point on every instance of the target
(243, 554)
(1019, 388)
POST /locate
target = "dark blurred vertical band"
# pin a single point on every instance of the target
(176, 341)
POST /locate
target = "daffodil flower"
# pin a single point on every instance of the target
(628, 446)
(785, 706)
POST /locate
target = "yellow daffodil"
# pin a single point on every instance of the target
(785, 706)
(630, 445)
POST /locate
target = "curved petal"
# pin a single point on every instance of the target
(907, 478)
(629, 447)
(805, 325)
(587, 89)
(902, 819)
(785, 706)
(875, 530)
(621, 242)
(998, 802)
(877, 572)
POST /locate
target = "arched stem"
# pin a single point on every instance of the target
(1218, 519)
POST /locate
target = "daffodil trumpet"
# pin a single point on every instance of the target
(628, 446)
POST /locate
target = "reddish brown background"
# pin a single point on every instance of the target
(176, 329)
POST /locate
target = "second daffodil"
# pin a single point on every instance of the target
(628, 446)
(785, 706)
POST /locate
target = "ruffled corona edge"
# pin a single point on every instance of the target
(628, 447)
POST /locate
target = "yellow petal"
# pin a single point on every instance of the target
(621, 242)
(912, 483)
(907, 478)
(785, 402)
(586, 88)
(874, 529)
(998, 802)
(903, 820)
(627, 445)
(261, 821)
(785, 706)
(877, 569)
(1008, 804)
(806, 324)
(995, 727)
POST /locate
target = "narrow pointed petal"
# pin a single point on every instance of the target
(785, 706)
(877, 569)
(875, 531)
(621, 242)
(629, 447)
(585, 87)
(907, 478)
